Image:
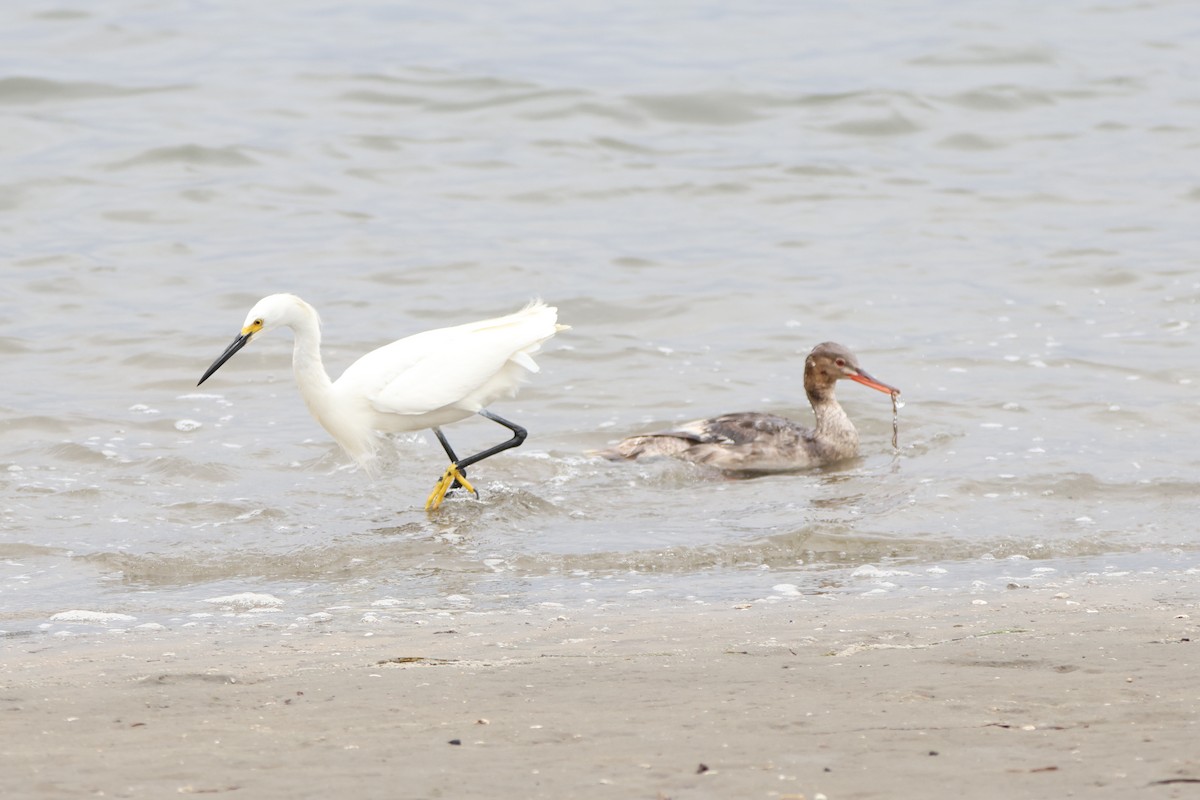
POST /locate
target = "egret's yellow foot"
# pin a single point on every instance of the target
(447, 480)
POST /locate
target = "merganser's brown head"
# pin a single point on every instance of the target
(830, 362)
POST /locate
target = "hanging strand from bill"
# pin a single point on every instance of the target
(896, 404)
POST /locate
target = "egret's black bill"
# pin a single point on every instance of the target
(238, 344)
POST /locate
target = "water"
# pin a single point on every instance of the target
(995, 205)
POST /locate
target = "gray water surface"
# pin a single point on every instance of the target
(995, 205)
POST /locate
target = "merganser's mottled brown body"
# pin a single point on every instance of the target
(754, 442)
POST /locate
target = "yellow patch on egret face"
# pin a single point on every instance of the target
(253, 327)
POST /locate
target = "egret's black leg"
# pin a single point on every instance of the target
(450, 452)
(445, 445)
(454, 472)
(518, 437)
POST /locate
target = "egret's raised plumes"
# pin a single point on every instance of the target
(754, 442)
(426, 380)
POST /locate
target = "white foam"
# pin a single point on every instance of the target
(93, 617)
(246, 601)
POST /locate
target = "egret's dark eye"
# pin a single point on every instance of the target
(258, 322)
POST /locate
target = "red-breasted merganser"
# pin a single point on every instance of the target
(754, 442)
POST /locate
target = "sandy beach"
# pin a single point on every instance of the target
(1035, 692)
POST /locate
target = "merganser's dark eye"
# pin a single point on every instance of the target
(841, 362)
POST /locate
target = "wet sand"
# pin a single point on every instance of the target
(1035, 692)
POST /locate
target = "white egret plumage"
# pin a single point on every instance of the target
(426, 380)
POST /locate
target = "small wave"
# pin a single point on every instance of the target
(42, 423)
(454, 106)
(26, 90)
(984, 55)
(709, 108)
(970, 142)
(189, 154)
(1001, 98)
(893, 124)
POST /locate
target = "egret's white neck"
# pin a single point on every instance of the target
(311, 377)
(317, 389)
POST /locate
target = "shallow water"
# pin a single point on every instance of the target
(995, 207)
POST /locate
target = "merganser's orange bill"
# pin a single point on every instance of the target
(866, 380)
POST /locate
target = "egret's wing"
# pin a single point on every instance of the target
(415, 375)
(439, 380)
(442, 367)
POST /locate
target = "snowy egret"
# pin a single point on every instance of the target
(426, 380)
(754, 442)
